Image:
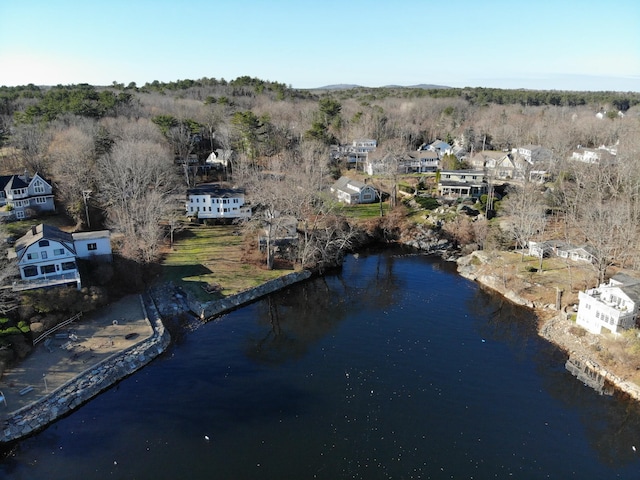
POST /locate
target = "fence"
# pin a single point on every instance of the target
(57, 327)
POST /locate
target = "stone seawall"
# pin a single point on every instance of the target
(89, 383)
(216, 307)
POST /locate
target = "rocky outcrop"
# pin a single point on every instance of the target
(424, 238)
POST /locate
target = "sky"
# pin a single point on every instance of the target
(534, 44)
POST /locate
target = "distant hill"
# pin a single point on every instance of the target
(341, 86)
(346, 86)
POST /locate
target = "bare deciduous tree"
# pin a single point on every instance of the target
(73, 167)
(136, 181)
(524, 212)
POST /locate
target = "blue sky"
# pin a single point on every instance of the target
(538, 44)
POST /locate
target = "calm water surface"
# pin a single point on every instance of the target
(395, 368)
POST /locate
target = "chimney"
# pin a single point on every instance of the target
(34, 230)
(26, 175)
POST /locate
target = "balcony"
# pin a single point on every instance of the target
(52, 280)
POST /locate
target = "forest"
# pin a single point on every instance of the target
(132, 147)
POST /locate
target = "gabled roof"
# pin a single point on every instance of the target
(17, 181)
(43, 232)
(343, 183)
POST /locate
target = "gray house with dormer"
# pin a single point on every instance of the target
(24, 196)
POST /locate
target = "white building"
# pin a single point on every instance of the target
(212, 201)
(612, 306)
(47, 256)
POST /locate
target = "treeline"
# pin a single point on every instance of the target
(89, 138)
(485, 96)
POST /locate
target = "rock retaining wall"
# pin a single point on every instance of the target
(217, 307)
(89, 383)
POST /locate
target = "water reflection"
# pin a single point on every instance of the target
(395, 367)
(612, 426)
(296, 318)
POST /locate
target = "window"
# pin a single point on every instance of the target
(69, 266)
(32, 256)
(92, 246)
(58, 251)
(44, 269)
(38, 187)
(30, 271)
(41, 199)
(43, 255)
(43, 243)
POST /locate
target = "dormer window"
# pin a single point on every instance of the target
(43, 243)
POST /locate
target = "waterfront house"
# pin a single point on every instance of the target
(215, 202)
(25, 196)
(561, 249)
(353, 192)
(462, 183)
(46, 255)
(610, 307)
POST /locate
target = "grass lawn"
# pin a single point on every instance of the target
(212, 255)
(521, 273)
(362, 211)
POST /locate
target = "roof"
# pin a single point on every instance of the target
(343, 182)
(215, 190)
(624, 279)
(44, 232)
(91, 235)
(17, 181)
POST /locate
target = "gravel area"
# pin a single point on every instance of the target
(72, 350)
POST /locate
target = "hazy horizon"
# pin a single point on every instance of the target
(497, 44)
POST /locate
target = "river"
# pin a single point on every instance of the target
(396, 367)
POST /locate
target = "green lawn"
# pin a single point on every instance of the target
(362, 211)
(212, 255)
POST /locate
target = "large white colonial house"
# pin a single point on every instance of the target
(212, 201)
(24, 196)
(47, 256)
(353, 191)
(612, 306)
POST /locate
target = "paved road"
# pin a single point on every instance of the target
(87, 342)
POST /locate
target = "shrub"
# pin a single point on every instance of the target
(428, 203)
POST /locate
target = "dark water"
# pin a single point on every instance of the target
(395, 368)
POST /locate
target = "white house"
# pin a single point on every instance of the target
(219, 159)
(595, 156)
(212, 201)
(25, 196)
(440, 147)
(47, 256)
(612, 306)
(353, 191)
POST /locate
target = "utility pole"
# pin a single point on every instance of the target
(86, 194)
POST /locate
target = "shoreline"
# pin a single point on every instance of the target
(554, 326)
(165, 300)
(88, 383)
(156, 304)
